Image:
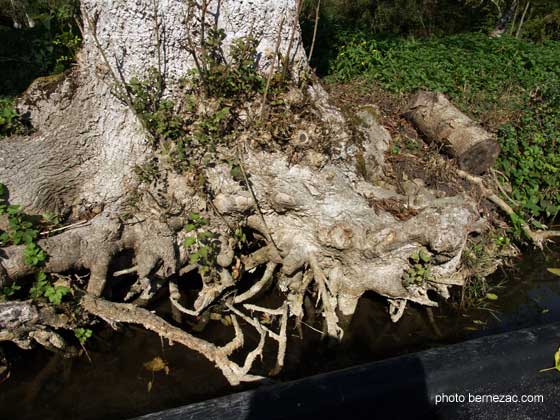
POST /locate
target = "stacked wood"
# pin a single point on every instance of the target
(475, 149)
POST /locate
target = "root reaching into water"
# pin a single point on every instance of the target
(131, 314)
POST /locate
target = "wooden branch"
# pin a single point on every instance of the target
(280, 337)
(299, 4)
(317, 10)
(538, 237)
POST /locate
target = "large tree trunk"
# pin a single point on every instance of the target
(314, 216)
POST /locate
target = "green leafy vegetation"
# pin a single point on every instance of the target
(479, 260)
(42, 287)
(10, 291)
(215, 107)
(22, 230)
(45, 42)
(530, 157)
(9, 119)
(83, 334)
(190, 135)
(512, 86)
(420, 269)
(203, 245)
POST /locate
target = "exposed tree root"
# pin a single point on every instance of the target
(327, 299)
(131, 314)
(304, 201)
(537, 237)
(259, 286)
(279, 337)
(94, 246)
(23, 322)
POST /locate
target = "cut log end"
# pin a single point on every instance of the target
(480, 157)
(440, 121)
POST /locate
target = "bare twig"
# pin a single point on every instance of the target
(119, 80)
(522, 20)
(317, 10)
(72, 226)
(126, 271)
(155, 4)
(272, 68)
(291, 42)
(268, 311)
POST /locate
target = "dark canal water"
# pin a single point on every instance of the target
(114, 385)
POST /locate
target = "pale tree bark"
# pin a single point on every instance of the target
(314, 215)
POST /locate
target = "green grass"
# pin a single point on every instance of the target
(511, 86)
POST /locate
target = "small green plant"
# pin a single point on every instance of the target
(22, 229)
(34, 255)
(420, 269)
(11, 290)
(9, 119)
(83, 334)
(42, 287)
(238, 78)
(203, 246)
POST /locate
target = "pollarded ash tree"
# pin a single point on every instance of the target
(191, 135)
